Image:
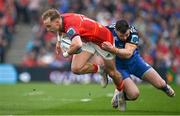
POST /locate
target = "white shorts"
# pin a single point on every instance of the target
(93, 48)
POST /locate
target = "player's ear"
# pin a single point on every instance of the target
(47, 20)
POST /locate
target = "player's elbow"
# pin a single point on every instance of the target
(78, 46)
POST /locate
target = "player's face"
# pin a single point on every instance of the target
(52, 26)
(124, 36)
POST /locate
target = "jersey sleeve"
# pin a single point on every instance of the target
(134, 39)
(72, 32)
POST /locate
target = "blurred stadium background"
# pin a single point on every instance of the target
(27, 51)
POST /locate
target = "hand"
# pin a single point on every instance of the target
(107, 46)
(58, 48)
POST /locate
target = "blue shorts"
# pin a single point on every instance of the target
(136, 66)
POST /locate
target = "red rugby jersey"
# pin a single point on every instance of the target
(88, 29)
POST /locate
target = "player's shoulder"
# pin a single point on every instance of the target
(70, 20)
(111, 27)
(133, 29)
(133, 38)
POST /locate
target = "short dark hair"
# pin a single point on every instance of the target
(51, 13)
(122, 26)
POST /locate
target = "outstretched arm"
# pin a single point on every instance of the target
(126, 52)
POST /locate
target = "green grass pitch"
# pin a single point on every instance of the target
(78, 99)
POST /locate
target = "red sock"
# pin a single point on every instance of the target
(95, 68)
(120, 86)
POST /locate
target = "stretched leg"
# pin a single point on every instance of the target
(80, 63)
(155, 79)
(130, 92)
(130, 89)
(113, 73)
(110, 68)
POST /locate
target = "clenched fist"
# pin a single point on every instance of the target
(107, 46)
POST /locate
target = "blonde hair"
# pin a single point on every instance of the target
(51, 14)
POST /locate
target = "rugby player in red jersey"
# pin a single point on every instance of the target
(81, 29)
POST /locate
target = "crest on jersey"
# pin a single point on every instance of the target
(135, 39)
(71, 32)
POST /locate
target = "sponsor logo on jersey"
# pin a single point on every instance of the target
(71, 31)
(135, 39)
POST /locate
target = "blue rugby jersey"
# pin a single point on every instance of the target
(133, 39)
(133, 65)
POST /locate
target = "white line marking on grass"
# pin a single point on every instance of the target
(50, 98)
(75, 100)
(85, 100)
(109, 94)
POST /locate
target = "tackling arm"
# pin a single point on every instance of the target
(126, 52)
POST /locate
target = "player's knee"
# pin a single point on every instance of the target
(76, 70)
(134, 95)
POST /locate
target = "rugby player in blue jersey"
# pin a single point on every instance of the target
(129, 61)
